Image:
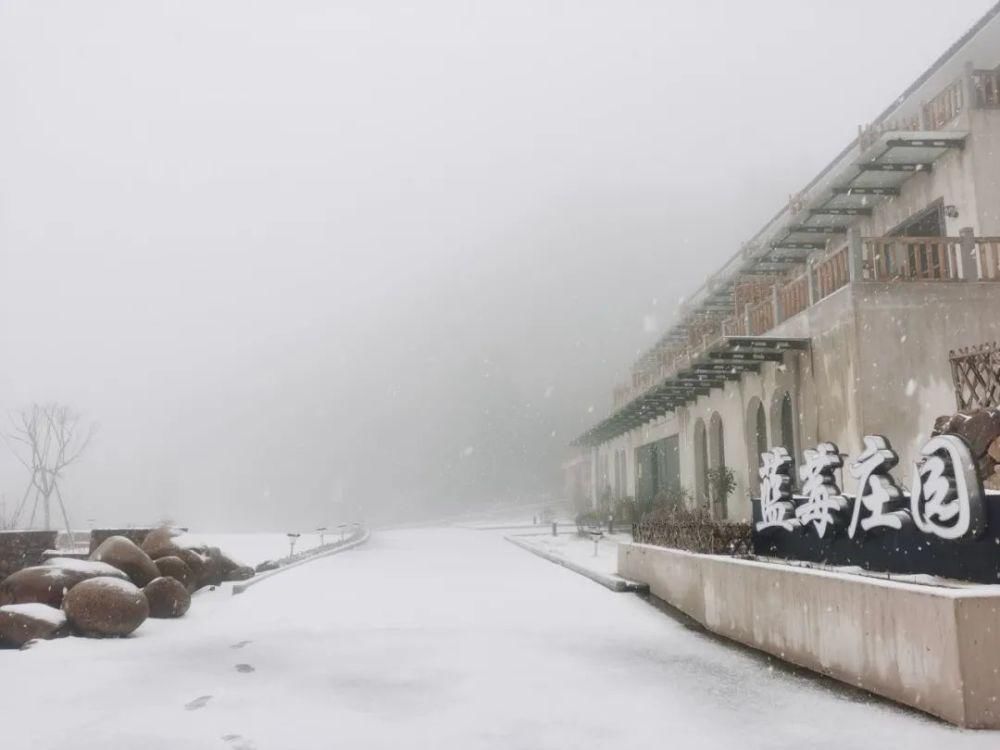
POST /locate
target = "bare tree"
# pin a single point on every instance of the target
(46, 439)
(6, 521)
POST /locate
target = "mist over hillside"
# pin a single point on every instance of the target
(305, 261)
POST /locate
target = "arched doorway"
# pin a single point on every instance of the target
(716, 460)
(699, 439)
(788, 424)
(756, 432)
(783, 426)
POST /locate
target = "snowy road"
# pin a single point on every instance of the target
(433, 639)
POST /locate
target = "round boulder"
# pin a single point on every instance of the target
(167, 597)
(169, 541)
(981, 429)
(21, 623)
(105, 607)
(173, 567)
(941, 425)
(214, 572)
(232, 570)
(196, 562)
(48, 583)
(84, 569)
(240, 573)
(126, 555)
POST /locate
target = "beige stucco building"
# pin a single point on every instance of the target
(836, 320)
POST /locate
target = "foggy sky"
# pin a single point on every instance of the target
(294, 253)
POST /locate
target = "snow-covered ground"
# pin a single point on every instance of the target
(434, 639)
(578, 549)
(251, 549)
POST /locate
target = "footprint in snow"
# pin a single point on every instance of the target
(198, 702)
(245, 668)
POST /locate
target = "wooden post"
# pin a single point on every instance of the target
(855, 250)
(969, 86)
(967, 251)
(811, 271)
(956, 379)
(593, 477)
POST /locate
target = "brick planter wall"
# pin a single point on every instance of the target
(21, 549)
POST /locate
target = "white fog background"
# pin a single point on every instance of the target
(310, 259)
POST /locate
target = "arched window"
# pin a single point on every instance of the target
(700, 442)
(787, 424)
(756, 441)
(716, 460)
(760, 432)
(783, 426)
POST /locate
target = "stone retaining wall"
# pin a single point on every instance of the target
(931, 647)
(21, 549)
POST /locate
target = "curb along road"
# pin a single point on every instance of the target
(615, 583)
(239, 588)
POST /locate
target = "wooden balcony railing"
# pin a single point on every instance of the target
(710, 338)
(832, 273)
(734, 326)
(620, 395)
(986, 85)
(911, 259)
(882, 259)
(794, 296)
(944, 107)
(988, 258)
(761, 317)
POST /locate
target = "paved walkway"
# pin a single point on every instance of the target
(435, 639)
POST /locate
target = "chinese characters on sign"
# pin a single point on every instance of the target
(878, 494)
(776, 505)
(946, 498)
(824, 503)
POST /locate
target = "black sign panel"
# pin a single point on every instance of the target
(946, 525)
(908, 550)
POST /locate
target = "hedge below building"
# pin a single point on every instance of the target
(692, 531)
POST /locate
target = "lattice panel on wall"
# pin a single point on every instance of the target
(975, 371)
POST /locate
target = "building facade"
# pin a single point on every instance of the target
(836, 320)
